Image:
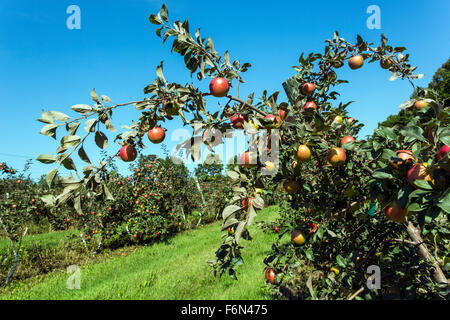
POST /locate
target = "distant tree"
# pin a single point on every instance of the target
(439, 87)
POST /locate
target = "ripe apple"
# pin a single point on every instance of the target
(350, 120)
(303, 153)
(395, 212)
(308, 88)
(291, 185)
(405, 155)
(230, 230)
(248, 160)
(443, 152)
(270, 275)
(419, 171)
(277, 230)
(219, 87)
(282, 114)
(156, 135)
(276, 121)
(386, 63)
(336, 157)
(298, 237)
(356, 62)
(128, 153)
(347, 139)
(420, 104)
(310, 104)
(237, 121)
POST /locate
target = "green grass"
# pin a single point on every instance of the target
(173, 270)
(48, 240)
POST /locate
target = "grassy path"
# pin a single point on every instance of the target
(173, 270)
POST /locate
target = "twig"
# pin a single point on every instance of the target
(247, 104)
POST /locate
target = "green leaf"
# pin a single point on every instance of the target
(59, 116)
(414, 207)
(239, 230)
(108, 194)
(51, 176)
(413, 133)
(228, 211)
(251, 215)
(50, 130)
(341, 261)
(69, 164)
(83, 155)
(382, 175)
(49, 200)
(46, 158)
(46, 118)
(423, 184)
(82, 108)
(154, 19)
(94, 96)
(164, 13)
(309, 254)
(444, 203)
(90, 125)
(105, 98)
(232, 174)
(101, 140)
(70, 141)
(159, 72)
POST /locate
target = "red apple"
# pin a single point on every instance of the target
(336, 157)
(156, 135)
(270, 276)
(248, 160)
(309, 105)
(276, 121)
(442, 152)
(395, 212)
(347, 139)
(237, 121)
(356, 62)
(219, 87)
(419, 171)
(420, 104)
(308, 88)
(128, 153)
(386, 63)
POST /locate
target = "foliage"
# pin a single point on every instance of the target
(334, 197)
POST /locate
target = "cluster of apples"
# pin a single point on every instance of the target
(5, 169)
(418, 171)
(128, 152)
(218, 87)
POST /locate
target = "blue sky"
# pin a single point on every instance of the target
(44, 65)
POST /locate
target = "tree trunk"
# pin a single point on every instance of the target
(414, 233)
